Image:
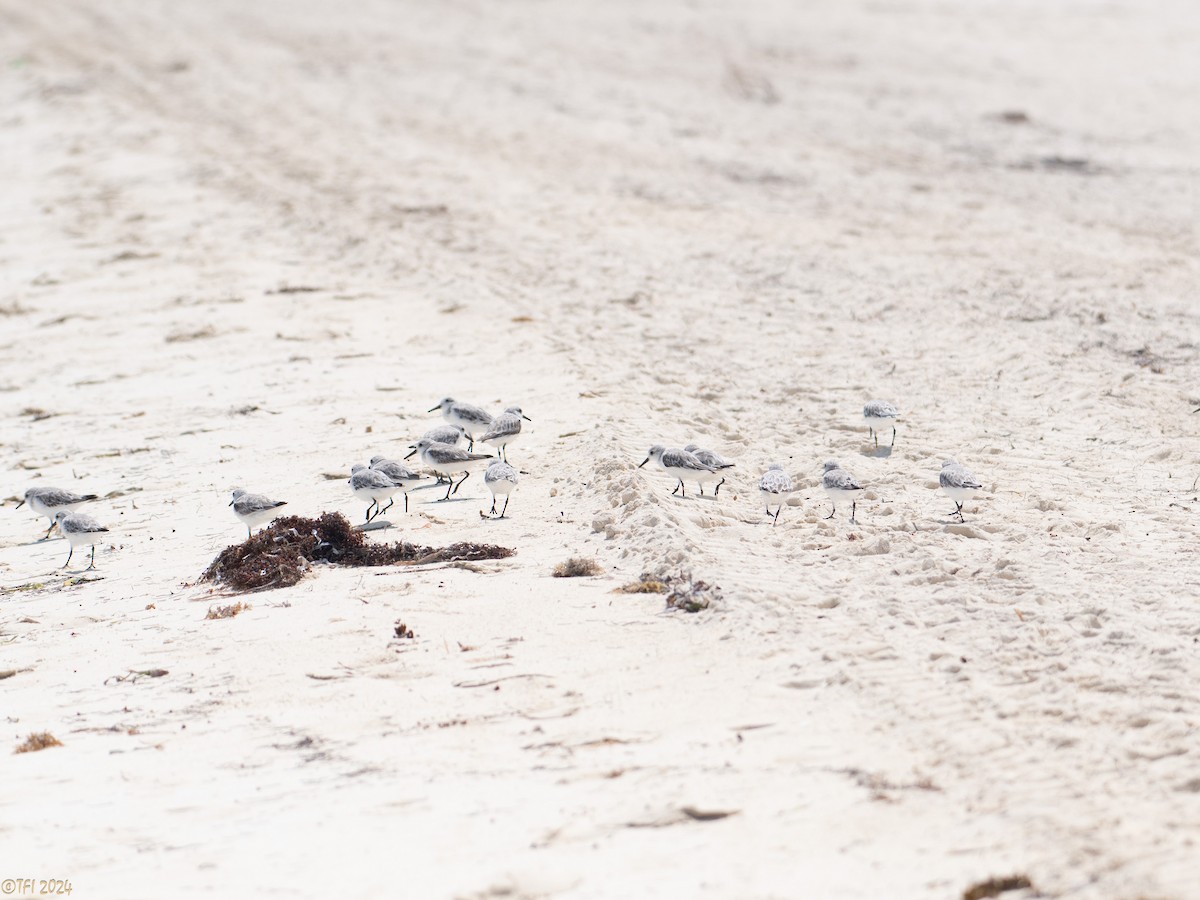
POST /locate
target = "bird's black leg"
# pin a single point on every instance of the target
(470, 446)
(853, 508)
(682, 489)
(460, 484)
(48, 530)
(959, 511)
(777, 512)
(391, 500)
(92, 565)
(449, 484)
(718, 488)
(832, 511)
(701, 483)
(893, 436)
(69, 555)
(503, 511)
(677, 487)
(406, 501)
(493, 504)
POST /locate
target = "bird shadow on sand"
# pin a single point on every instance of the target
(876, 452)
(39, 541)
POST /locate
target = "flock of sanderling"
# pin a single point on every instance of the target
(440, 451)
(380, 480)
(704, 467)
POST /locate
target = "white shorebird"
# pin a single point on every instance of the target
(501, 479)
(254, 509)
(504, 430)
(80, 531)
(775, 487)
(959, 484)
(840, 485)
(49, 502)
(678, 463)
(443, 434)
(373, 485)
(715, 461)
(447, 460)
(471, 419)
(880, 414)
(398, 472)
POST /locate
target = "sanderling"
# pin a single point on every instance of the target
(713, 460)
(504, 430)
(679, 463)
(254, 509)
(48, 502)
(80, 530)
(879, 414)
(449, 460)
(443, 434)
(471, 419)
(398, 472)
(959, 484)
(774, 487)
(373, 485)
(840, 484)
(500, 479)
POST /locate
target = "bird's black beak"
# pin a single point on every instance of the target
(526, 418)
(19, 505)
(410, 455)
(643, 462)
(435, 409)
(231, 502)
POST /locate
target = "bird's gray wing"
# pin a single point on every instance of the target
(681, 459)
(841, 480)
(502, 426)
(251, 503)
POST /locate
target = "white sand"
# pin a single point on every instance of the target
(641, 223)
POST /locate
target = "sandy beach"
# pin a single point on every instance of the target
(250, 244)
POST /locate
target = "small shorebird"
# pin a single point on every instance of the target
(501, 479)
(678, 463)
(959, 484)
(254, 509)
(443, 434)
(840, 485)
(80, 530)
(504, 430)
(447, 460)
(713, 460)
(373, 485)
(775, 487)
(880, 414)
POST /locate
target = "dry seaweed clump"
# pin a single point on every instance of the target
(578, 567)
(226, 612)
(38, 741)
(691, 595)
(994, 887)
(646, 584)
(280, 554)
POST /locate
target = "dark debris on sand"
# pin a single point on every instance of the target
(280, 554)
